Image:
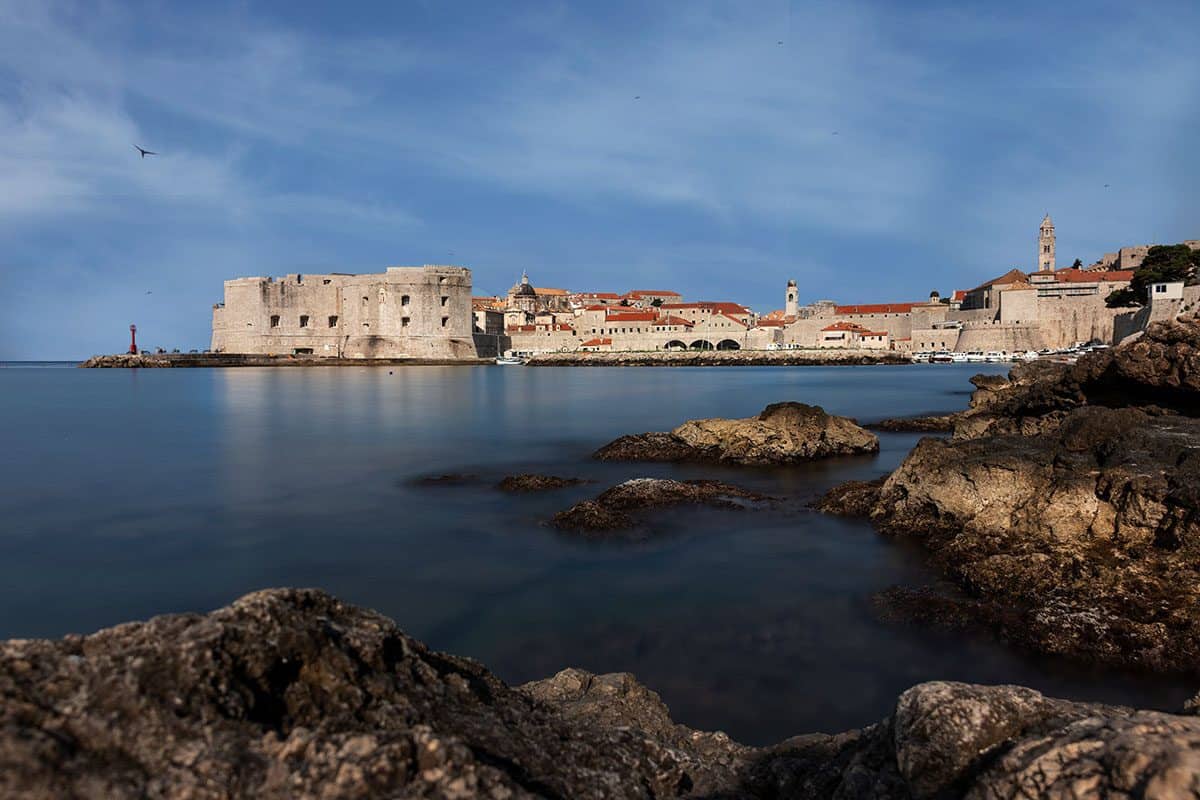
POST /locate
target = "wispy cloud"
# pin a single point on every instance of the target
(712, 146)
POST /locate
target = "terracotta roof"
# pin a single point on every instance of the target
(959, 294)
(735, 319)
(631, 316)
(1071, 275)
(596, 342)
(845, 326)
(601, 295)
(877, 308)
(649, 293)
(771, 323)
(678, 321)
(1012, 276)
(548, 291)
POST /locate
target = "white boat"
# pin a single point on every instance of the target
(509, 361)
(1030, 355)
(995, 356)
(942, 357)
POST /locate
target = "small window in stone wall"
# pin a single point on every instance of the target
(366, 325)
(404, 322)
(445, 321)
(404, 299)
(333, 322)
(326, 281)
(274, 320)
(304, 320)
(444, 301)
(366, 299)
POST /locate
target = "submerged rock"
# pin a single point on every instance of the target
(940, 423)
(529, 482)
(291, 693)
(783, 433)
(609, 511)
(447, 479)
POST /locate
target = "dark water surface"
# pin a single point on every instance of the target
(129, 493)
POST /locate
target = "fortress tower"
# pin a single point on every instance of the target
(791, 307)
(1045, 260)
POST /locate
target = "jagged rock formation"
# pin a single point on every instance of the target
(529, 482)
(783, 433)
(292, 694)
(610, 510)
(1073, 525)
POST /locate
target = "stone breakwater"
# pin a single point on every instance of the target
(195, 360)
(720, 358)
(1066, 505)
(292, 693)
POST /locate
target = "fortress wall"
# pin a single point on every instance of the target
(1068, 320)
(898, 325)
(1012, 338)
(933, 339)
(407, 311)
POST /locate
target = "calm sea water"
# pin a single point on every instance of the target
(129, 493)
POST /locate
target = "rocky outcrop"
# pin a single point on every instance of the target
(291, 693)
(1160, 371)
(783, 433)
(529, 482)
(611, 509)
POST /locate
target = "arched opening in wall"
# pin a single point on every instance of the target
(728, 344)
(675, 344)
(701, 344)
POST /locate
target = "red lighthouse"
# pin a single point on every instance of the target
(133, 339)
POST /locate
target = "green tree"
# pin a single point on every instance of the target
(656, 302)
(1163, 264)
(1077, 265)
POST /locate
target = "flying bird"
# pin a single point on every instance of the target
(144, 151)
(779, 42)
(637, 97)
(1106, 186)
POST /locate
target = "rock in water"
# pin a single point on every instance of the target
(529, 482)
(610, 510)
(293, 694)
(783, 433)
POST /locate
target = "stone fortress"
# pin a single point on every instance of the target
(417, 312)
(429, 312)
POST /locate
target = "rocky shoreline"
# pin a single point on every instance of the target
(721, 358)
(1066, 505)
(291, 693)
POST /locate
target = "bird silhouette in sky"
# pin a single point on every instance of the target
(1106, 186)
(779, 42)
(637, 97)
(144, 151)
(835, 133)
(149, 292)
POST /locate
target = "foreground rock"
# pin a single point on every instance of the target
(783, 433)
(291, 693)
(530, 482)
(610, 511)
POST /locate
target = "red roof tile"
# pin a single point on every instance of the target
(649, 293)
(631, 316)
(596, 342)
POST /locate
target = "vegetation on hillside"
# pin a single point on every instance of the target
(1163, 263)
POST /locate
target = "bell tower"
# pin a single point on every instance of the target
(1045, 260)
(792, 307)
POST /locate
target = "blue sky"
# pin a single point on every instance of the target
(506, 136)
